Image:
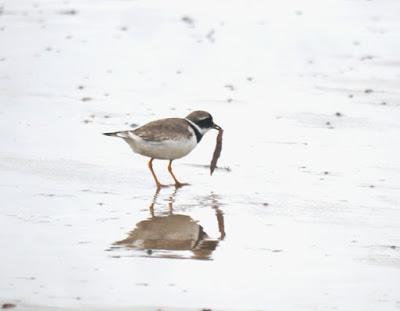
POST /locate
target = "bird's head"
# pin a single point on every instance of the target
(203, 120)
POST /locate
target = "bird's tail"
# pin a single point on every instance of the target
(120, 134)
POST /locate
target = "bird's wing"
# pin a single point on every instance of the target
(164, 129)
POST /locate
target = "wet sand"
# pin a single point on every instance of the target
(303, 213)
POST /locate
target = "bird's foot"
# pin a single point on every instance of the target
(179, 184)
(159, 186)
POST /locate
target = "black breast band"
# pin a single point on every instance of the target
(196, 131)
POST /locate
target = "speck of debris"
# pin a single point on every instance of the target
(383, 103)
(326, 173)
(210, 35)
(367, 57)
(368, 91)
(48, 49)
(86, 121)
(393, 246)
(100, 204)
(86, 99)
(106, 116)
(8, 305)
(371, 186)
(338, 114)
(106, 94)
(2, 59)
(265, 204)
(250, 79)
(328, 123)
(206, 309)
(123, 28)
(188, 20)
(80, 87)
(230, 87)
(142, 284)
(351, 95)
(69, 12)
(277, 250)
(50, 195)
(229, 100)
(298, 12)
(178, 72)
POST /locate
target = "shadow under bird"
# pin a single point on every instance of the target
(168, 139)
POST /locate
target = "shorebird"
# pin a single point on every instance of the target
(168, 139)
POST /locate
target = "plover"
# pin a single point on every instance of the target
(168, 139)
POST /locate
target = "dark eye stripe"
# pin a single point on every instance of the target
(205, 123)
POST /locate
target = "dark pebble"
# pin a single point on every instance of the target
(69, 12)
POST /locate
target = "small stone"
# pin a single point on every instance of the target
(338, 114)
(230, 87)
(86, 99)
(368, 91)
(8, 306)
(69, 12)
(188, 20)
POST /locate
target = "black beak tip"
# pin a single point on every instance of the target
(217, 127)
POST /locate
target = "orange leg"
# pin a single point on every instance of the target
(159, 185)
(177, 182)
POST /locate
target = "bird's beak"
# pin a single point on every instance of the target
(217, 127)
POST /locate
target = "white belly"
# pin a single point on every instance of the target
(164, 150)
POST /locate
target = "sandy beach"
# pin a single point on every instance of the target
(303, 212)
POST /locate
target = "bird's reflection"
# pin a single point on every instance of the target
(174, 235)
